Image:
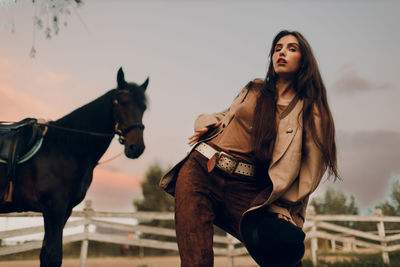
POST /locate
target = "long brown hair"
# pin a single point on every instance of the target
(309, 86)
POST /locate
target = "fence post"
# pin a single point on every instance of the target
(314, 238)
(231, 248)
(85, 241)
(381, 230)
(333, 245)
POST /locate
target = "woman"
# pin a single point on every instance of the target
(263, 156)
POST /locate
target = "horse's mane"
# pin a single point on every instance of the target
(138, 95)
(96, 116)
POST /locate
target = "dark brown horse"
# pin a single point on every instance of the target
(57, 177)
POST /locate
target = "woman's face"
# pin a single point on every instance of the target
(287, 56)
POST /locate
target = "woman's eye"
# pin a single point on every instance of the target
(293, 49)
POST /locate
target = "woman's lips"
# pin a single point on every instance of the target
(281, 61)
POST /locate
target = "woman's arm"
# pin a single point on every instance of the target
(202, 131)
(208, 120)
(206, 123)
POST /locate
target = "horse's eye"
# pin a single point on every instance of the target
(124, 103)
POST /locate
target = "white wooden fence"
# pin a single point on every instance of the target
(89, 217)
(316, 227)
(321, 226)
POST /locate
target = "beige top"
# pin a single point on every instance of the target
(236, 138)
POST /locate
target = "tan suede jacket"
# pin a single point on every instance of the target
(294, 175)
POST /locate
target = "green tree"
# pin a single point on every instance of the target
(387, 209)
(391, 207)
(50, 13)
(154, 198)
(335, 202)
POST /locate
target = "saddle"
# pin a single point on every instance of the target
(19, 142)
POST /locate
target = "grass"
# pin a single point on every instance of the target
(354, 260)
(98, 249)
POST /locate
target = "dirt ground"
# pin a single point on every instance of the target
(132, 262)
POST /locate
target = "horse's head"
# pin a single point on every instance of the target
(129, 106)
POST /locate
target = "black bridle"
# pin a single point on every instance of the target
(123, 132)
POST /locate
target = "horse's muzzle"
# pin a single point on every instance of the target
(134, 151)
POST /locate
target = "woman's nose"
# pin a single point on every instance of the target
(282, 52)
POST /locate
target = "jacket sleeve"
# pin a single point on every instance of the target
(312, 169)
(205, 120)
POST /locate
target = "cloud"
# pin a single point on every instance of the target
(5, 65)
(113, 190)
(50, 78)
(19, 98)
(28, 90)
(351, 82)
(15, 105)
(367, 162)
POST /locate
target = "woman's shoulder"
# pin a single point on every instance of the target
(257, 83)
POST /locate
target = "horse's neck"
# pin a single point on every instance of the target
(96, 116)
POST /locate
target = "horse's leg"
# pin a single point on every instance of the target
(67, 214)
(54, 216)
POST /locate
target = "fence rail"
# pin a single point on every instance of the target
(88, 217)
(316, 227)
(321, 226)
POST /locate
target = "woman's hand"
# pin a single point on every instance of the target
(197, 134)
(281, 216)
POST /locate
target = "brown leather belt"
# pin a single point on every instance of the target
(226, 162)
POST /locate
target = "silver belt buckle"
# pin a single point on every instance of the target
(227, 166)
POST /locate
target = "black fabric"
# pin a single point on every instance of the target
(272, 241)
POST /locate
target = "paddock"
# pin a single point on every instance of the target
(220, 261)
(229, 251)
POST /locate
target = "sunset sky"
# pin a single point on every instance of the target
(198, 55)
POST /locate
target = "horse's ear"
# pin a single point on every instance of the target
(144, 85)
(121, 79)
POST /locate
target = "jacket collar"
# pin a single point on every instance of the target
(287, 129)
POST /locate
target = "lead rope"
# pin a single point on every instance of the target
(75, 130)
(110, 159)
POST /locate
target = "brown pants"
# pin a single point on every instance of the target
(203, 199)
